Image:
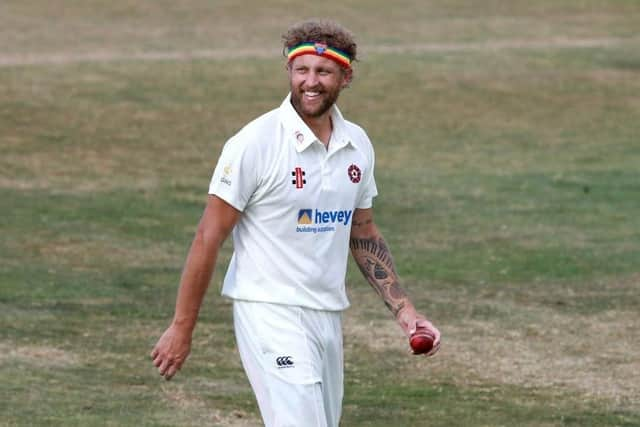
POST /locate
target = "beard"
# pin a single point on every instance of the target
(328, 98)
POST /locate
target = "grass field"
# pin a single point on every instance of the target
(508, 158)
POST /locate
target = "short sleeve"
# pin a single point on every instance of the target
(369, 189)
(234, 179)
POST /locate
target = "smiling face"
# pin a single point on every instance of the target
(315, 84)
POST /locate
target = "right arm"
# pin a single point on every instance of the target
(174, 345)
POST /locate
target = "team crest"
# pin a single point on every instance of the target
(354, 174)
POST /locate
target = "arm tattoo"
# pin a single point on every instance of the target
(357, 223)
(375, 262)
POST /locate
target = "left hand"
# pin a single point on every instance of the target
(409, 320)
(171, 351)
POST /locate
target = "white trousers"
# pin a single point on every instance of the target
(294, 361)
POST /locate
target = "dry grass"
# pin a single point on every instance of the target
(92, 253)
(456, 91)
(179, 397)
(46, 27)
(591, 356)
(38, 355)
(225, 53)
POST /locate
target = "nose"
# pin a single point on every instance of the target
(312, 79)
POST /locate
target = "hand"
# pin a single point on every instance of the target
(171, 351)
(410, 321)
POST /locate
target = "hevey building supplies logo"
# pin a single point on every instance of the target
(317, 221)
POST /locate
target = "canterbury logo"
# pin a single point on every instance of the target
(284, 362)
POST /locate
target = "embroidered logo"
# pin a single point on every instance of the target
(226, 175)
(354, 174)
(284, 362)
(320, 47)
(298, 177)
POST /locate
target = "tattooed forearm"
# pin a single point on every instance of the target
(360, 223)
(375, 262)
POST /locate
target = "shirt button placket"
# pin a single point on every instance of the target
(326, 175)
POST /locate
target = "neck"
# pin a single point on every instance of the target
(321, 126)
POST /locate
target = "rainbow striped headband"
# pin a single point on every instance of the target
(320, 49)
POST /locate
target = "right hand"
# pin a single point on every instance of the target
(171, 351)
(410, 321)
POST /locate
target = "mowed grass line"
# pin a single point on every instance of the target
(55, 27)
(505, 231)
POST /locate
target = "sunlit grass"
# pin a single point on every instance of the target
(508, 194)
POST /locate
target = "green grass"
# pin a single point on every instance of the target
(508, 194)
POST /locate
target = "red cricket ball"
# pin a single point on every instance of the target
(421, 341)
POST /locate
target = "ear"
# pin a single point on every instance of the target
(347, 77)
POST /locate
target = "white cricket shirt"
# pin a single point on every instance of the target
(297, 198)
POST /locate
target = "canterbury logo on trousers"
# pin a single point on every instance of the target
(284, 362)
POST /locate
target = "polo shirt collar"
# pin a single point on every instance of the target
(302, 136)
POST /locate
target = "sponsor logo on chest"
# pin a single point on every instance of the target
(317, 221)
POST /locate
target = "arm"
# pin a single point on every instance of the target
(374, 259)
(174, 345)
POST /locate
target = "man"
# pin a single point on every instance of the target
(295, 187)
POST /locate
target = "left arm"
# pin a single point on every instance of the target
(373, 257)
